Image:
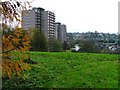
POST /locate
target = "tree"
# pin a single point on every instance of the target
(71, 40)
(13, 38)
(119, 40)
(55, 46)
(87, 46)
(39, 41)
(65, 46)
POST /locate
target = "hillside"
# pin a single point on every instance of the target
(69, 70)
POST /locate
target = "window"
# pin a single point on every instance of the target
(35, 10)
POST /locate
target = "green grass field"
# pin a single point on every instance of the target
(69, 70)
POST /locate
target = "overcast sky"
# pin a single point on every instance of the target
(84, 15)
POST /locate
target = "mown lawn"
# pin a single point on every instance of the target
(68, 70)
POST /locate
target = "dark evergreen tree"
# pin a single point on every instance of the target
(55, 46)
(39, 41)
(65, 46)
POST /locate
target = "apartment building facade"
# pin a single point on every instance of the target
(33, 19)
(44, 21)
(40, 19)
(49, 23)
(60, 32)
(63, 33)
(57, 30)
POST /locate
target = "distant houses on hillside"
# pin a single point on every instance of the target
(105, 41)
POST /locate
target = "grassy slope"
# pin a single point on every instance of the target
(78, 70)
(72, 70)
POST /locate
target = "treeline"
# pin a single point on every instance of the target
(90, 46)
(95, 42)
(40, 43)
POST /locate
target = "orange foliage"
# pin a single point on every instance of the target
(11, 68)
(17, 39)
(13, 38)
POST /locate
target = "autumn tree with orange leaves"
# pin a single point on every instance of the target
(14, 39)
